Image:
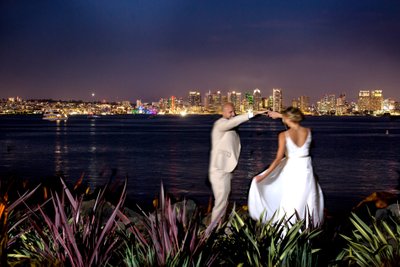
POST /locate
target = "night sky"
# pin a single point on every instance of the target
(148, 49)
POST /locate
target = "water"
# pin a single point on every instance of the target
(352, 156)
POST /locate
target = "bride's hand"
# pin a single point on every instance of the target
(258, 178)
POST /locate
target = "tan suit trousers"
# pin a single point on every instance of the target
(221, 186)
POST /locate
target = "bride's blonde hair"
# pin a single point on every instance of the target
(294, 114)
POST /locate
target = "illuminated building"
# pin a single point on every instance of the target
(376, 100)
(194, 99)
(397, 106)
(257, 99)
(341, 105)
(277, 100)
(364, 100)
(265, 102)
(295, 103)
(235, 98)
(304, 104)
(327, 105)
(248, 101)
(213, 102)
(370, 101)
(217, 100)
(163, 104)
(389, 105)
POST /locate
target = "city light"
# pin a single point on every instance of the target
(368, 102)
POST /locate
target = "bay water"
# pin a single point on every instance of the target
(352, 156)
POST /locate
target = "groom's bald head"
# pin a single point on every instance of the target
(228, 110)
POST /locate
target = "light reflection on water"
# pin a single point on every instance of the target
(352, 157)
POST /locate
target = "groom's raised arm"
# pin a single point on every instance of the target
(224, 125)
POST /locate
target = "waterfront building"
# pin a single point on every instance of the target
(257, 105)
(171, 104)
(341, 104)
(327, 105)
(235, 98)
(217, 101)
(213, 102)
(224, 99)
(332, 104)
(376, 100)
(295, 103)
(208, 102)
(277, 100)
(397, 106)
(364, 99)
(304, 104)
(389, 105)
(267, 102)
(247, 102)
(194, 100)
(163, 104)
(370, 101)
(270, 102)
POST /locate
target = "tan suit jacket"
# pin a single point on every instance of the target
(225, 143)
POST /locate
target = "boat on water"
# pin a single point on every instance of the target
(54, 115)
(92, 116)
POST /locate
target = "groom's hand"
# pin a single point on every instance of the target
(274, 114)
(260, 113)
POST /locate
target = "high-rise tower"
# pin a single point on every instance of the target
(277, 100)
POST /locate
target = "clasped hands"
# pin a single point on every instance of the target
(269, 113)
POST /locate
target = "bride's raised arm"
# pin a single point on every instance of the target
(279, 156)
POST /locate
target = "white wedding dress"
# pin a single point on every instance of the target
(290, 188)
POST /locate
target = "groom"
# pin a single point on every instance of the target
(225, 150)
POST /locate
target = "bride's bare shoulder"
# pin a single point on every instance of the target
(282, 135)
(306, 129)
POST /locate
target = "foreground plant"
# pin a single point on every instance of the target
(376, 244)
(71, 236)
(8, 222)
(251, 243)
(171, 236)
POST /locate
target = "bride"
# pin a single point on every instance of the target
(288, 187)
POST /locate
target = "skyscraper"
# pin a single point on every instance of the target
(194, 98)
(213, 102)
(277, 100)
(376, 100)
(389, 105)
(235, 98)
(256, 99)
(341, 104)
(364, 100)
(304, 104)
(172, 103)
(327, 105)
(248, 101)
(295, 103)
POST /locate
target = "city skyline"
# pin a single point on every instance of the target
(146, 50)
(203, 95)
(368, 103)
